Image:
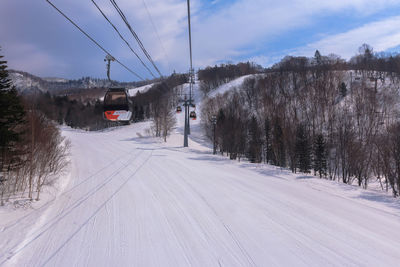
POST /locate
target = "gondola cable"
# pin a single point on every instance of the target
(120, 35)
(156, 31)
(94, 41)
(122, 15)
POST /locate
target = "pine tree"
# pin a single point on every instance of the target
(220, 130)
(11, 114)
(317, 58)
(278, 144)
(268, 141)
(254, 147)
(303, 151)
(319, 160)
(343, 89)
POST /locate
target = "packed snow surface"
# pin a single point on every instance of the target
(141, 89)
(229, 86)
(132, 200)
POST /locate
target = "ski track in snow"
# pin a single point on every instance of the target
(139, 202)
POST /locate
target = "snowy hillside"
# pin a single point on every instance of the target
(229, 86)
(24, 82)
(141, 89)
(132, 200)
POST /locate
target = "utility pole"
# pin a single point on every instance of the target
(214, 122)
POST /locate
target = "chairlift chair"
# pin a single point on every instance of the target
(178, 109)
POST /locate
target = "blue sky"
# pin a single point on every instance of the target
(35, 38)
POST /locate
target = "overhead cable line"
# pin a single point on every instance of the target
(120, 35)
(135, 35)
(155, 29)
(94, 41)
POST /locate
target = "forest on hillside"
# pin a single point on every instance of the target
(336, 119)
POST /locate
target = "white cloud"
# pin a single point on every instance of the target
(247, 23)
(27, 57)
(235, 30)
(381, 35)
(227, 33)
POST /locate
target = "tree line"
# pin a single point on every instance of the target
(329, 122)
(212, 77)
(159, 103)
(32, 151)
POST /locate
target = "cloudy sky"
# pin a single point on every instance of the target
(37, 39)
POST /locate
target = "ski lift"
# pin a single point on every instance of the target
(192, 115)
(117, 106)
(193, 105)
(178, 109)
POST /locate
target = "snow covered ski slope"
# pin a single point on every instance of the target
(134, 201)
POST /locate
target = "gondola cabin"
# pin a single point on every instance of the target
(192, 115)
(178, 109)
(117, 106)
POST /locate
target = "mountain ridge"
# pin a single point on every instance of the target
(26, 83)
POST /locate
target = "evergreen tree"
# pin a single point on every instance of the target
(140, 114)
(12, 114)
(220, 130)
(254, 147)
(278, 144)
(317, 58)
(319, 159)
(343, 89)
(269, 154)
(303, 151)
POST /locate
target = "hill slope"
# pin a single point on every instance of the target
(134, 201)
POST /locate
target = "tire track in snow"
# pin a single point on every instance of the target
(235, 183)
(65, 212)
(157, 200)
(227, 228)
(93, 215)
(251, 189)
(210, 207)
(41, 208)
(88, 194)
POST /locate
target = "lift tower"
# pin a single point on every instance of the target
(188, 102)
